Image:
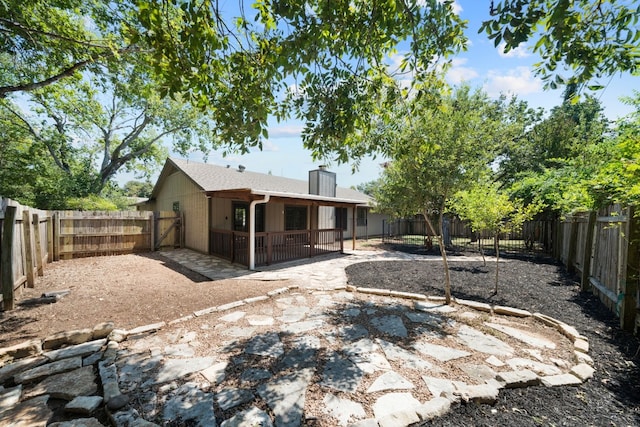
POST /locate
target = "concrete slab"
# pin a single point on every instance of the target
(342, 409)
(267, 344)
(172, 369)
(341, 374)
(390, 381)
(394, 402)
(286, 396)
(189, 405)
(524, 336)
(479, 341)
(440, 352)
(410, 360)
(249, 417)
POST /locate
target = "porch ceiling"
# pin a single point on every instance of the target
(248, 195)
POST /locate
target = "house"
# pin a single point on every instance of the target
(257, 219)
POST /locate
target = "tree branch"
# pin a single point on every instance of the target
(27, 87)
(28, 30)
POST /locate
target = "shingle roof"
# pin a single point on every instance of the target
(217, 178)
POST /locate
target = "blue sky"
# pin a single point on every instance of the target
(482, 65)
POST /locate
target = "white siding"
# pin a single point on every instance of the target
(372, 229)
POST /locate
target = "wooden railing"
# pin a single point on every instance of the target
(274, 247)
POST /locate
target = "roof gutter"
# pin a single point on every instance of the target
(252, 230)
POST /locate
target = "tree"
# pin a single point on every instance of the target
(46, 41)
(487, 209)
(26, 173)
(368, 188)
(325, 63)
(93, 126)
(440, 149)
(617, 176)
(238, 65)
(548, 143)
(138, 188)
(593, 39)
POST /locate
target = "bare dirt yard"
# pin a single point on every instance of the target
(129, 290)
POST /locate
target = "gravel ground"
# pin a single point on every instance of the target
(610, 398)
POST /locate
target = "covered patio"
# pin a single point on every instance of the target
(258, 248)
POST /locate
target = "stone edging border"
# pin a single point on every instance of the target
(25, 361)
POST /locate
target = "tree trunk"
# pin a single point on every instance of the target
(484, 260)
(496, 244)
(443, 252)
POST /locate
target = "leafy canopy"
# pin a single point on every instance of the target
(578, 41)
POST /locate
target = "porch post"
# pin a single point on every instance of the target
(252, 230)
(353, 228)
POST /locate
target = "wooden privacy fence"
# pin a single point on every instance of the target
(24, 247)
(31, 238)
(602, 247)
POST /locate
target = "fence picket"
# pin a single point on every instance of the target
(6, 257)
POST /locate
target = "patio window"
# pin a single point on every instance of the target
(362, 216)
(241, 217)
(295, 218)
(342, 215)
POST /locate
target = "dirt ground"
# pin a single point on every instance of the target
(611, 398)
(129, 290)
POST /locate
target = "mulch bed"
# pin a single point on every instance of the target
(610, 398)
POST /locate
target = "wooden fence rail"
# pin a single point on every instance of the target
(31, 238)
(603, 248)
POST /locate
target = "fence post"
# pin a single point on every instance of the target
(152, 231)
(588, 251)
(28, 248)
(6, 258)
(573, 240)
(557, 239)
(56, 236)
(36, 235)
(629, 282)
(50, 238)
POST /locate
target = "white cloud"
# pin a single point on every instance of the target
(458, 73)
(270, 146)
(286, 131)
(456, 7)
(517, 81)
(519, 52)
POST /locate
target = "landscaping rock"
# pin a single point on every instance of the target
(102, 330)
(85, 405)
(76, 350)
(28, 413)
(19, 351)
(67, 385)
(49, 369)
